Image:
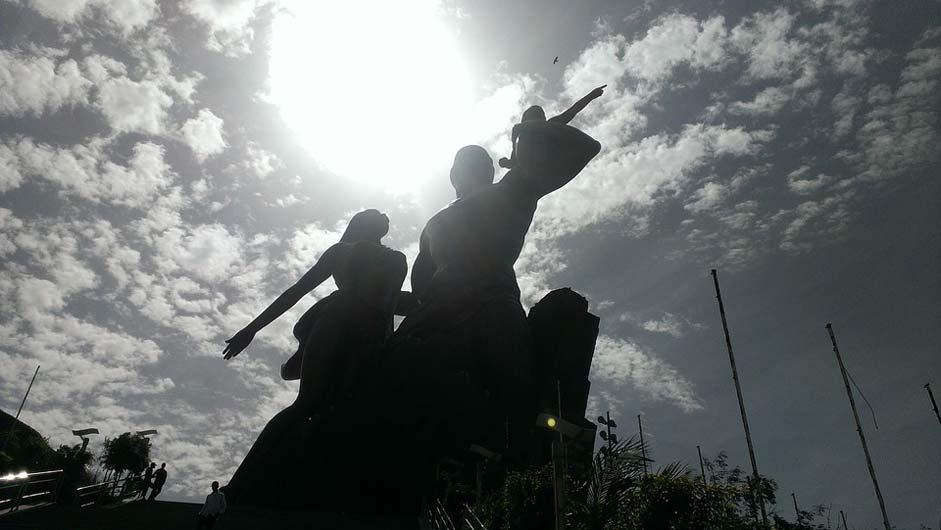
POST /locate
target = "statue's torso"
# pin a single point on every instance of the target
(373, 272)
(475, 241)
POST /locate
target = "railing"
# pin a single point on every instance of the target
(469, 520)
(437, 518)
(22, 489)
(110, 491)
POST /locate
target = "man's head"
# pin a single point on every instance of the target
(215, 486)
(163, 465)
(153, 465)
(472, 170)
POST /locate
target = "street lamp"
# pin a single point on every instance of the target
(83, 434)
(148, 432)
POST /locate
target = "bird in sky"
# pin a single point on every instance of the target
(555, 60)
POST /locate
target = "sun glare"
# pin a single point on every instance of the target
(376, 91)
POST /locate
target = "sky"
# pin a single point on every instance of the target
(168, 168)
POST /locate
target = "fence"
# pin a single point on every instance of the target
(29, 489)
(111, 491)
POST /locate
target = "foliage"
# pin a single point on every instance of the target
(25, 450)
(525, 500)
(126, 453)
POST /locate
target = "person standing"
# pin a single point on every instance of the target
(160, 478)
(148, 476)
(212, 508)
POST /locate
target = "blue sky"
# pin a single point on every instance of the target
(167, 168)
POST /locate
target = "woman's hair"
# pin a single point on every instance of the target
(367, 225)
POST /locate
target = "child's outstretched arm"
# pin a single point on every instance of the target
(567, 116)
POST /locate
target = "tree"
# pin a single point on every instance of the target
(126, 453)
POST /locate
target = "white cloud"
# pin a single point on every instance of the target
(10, 176)
(708, 197)
(676, 39)
(799, 183)
(633, 175)
(763, 38)
(39, 82)
(132, 106)
(84, 170)
(668, 323)
(768, 101)
(125, 15)
(618, 362)
(229, 23)
(204, 134)
(207, 252)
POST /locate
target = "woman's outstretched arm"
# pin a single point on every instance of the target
(314, 277)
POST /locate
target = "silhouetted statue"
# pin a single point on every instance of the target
(160, 478)
(213, 507)
(536, 113)
(145, 481)
(339, 337)
(458, 371)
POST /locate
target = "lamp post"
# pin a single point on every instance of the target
(566, 429)
(83, 434)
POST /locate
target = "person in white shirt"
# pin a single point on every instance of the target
(212, 509)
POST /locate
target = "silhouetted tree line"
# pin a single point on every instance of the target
(617, 493)
(26, 450)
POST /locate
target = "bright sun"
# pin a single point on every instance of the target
(376, 91)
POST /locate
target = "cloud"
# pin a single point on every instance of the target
(134, 106)
(812, 220)
(618, 362)
(676, 39)
(798, 183)
(229, 23)
(204, 134)
(39, 82)
(84, 170)
(10, 176)
(710, 195)
(763, 38)
(768, 101)
(208, 252)
(125, 15)
(634, 175)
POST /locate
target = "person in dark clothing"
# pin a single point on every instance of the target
(160, 478)
(148, 476)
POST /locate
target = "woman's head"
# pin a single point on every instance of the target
(368, 225)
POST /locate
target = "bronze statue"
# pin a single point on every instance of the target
(536, 113)
(339, 336)
(458, 371)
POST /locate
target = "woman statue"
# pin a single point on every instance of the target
(339, 337)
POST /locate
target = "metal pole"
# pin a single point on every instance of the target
(934, 404)
(643, 448)
(702, 467)
(741, 404)
(796, 511)
(843, 516)
(607, 414)
(17, 417)
(859, 428)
